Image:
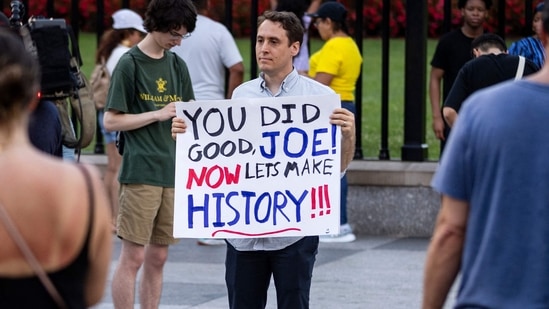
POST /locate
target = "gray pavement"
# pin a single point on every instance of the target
(372, 272)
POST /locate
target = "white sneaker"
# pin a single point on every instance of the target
(210, 241)
(345, 235)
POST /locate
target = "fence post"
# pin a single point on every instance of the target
(100, 28)
(385, 33)
(253, 34)
(50, 9)
(415, 148)
(528, 17)
(358, 87)
(501, 19)
(447, 21)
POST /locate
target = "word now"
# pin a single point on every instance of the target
(216, 176)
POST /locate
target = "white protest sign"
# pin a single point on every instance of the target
(262, 167)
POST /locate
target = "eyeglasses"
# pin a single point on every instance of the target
(317, 22)
(178, 36)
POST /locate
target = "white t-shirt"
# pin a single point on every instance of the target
(207, 52)
(301, 61)
(117, 52)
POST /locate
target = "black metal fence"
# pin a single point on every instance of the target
(414, 147)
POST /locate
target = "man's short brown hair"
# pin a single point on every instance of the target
(289, 22)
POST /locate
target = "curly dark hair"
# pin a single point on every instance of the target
(166, 15)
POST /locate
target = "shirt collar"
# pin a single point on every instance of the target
(287, 84)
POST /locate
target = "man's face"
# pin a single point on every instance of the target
(172, 38)
(474, 13)
(273, 52)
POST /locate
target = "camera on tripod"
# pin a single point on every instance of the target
(16, 18)
(17, 12)
(49, 39)
(53, 43)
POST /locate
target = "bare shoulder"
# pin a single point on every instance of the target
(47, 200)
(66, 179)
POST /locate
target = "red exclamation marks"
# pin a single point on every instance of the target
(313, 202)
(321, 197)
(327, 198)
(321, 201)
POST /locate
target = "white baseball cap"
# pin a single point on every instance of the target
(126, 19)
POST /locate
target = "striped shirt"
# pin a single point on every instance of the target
(530, 48)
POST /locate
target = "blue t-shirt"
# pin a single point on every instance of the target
(497, 160)
(531, 48)
(45, 131)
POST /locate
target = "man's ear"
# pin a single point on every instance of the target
(476, 52)
(295, 48)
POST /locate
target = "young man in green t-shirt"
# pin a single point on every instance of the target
(145, 85)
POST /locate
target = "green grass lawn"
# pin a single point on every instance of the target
(371, 92)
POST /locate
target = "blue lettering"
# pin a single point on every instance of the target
(317, 142)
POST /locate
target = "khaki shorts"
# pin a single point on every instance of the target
(145, 214)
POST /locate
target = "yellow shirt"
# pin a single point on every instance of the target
(341, 58)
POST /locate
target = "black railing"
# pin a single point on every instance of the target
(414, 148)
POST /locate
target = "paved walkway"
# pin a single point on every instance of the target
(372, 272)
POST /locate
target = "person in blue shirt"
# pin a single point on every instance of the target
(251, 262)
(493, 224)
(531, 47)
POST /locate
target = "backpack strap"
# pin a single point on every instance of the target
(91, 201)
(75, 49)
(520, 68)
(31, 259)
(120, 136)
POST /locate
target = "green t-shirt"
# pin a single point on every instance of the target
(141, 84)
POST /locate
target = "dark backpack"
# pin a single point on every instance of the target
(55, 46)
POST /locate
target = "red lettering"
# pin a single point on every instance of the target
(219, 178)
(231, 178)
(212, 180)
(193, 176)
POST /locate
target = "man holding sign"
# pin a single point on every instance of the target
(250, 262)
